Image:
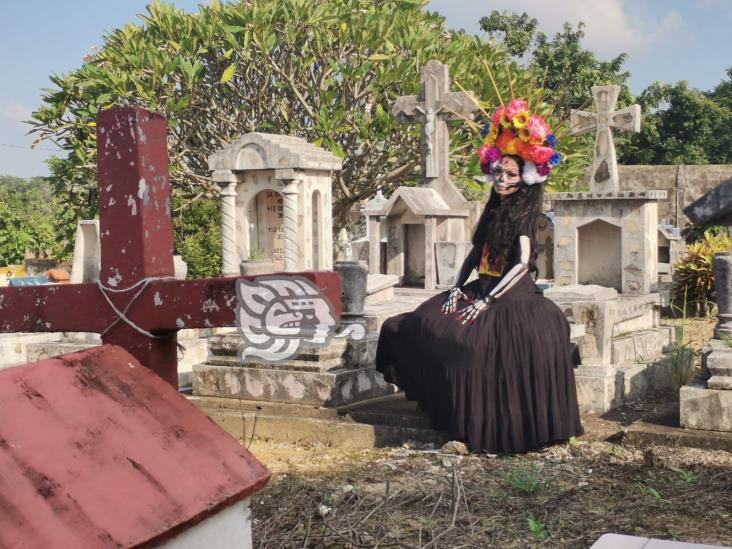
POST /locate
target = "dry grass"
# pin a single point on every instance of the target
(565, 496)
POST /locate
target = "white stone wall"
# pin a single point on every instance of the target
(230, 528)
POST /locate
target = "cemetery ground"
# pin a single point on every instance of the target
(566, 495)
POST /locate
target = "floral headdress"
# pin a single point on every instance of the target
(514, 130)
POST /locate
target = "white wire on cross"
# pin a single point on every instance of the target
(122, 315)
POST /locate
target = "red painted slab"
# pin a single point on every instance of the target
(97, 451)
(135, 226)
(166, 305)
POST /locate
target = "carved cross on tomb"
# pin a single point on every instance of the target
(433, 108)
(138, 304)
(605, 164)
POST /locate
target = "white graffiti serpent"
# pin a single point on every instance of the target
(277, 314)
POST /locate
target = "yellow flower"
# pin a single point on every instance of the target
(505, 122)
(492, 135)
(524, 134)
(520, 119)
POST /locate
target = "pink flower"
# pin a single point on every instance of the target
(543, 170)
(541, 155)
(538, 128)
(483, 153)
(515, 107)
(493, 155)
(497, 116)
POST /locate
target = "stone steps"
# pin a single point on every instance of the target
(386, 421)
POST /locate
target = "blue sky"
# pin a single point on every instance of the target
(666, 40)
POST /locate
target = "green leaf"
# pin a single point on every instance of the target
(228, 74)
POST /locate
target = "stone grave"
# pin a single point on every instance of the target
(419, 219)
(606, 269)
(97, 451)
(424, 246)
(275, 202)
(334, 374)
(706, 403)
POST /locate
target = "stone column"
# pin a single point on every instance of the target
(374, 230)
(291, 189)
(723, 281)
(229, 259)
(430, 237)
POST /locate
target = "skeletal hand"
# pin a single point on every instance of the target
(450, 305)
(471, 312)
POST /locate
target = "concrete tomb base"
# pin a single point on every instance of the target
(338, 373)
(707, 405)
(621, 346)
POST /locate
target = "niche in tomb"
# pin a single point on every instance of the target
(267, 228)
(601, 254)
(414, 255)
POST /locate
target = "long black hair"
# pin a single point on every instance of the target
(503, 216)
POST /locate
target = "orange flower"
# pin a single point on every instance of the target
(504, 139)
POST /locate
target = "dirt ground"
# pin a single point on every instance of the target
(566, 495)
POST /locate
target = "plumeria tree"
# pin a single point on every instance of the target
(326, 71)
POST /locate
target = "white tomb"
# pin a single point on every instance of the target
(275, 202)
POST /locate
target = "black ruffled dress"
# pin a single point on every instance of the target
(504, 383)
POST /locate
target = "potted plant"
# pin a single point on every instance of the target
(257, 263)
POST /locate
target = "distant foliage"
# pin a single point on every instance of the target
(682, 125)
(28, 216)
(198, 229)
(695, 274)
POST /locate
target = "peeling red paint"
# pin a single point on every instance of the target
(96, 451)
(136, 243)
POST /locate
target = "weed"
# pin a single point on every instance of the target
(681, 356)
(727, 339)
(538, 528)
(526, 478)
(617, 451)
(689, 477)
(651, 491)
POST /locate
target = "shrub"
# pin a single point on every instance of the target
(695, 273)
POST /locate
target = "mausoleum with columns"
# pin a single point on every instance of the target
(275, 202)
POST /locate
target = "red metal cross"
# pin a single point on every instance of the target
(137, 244)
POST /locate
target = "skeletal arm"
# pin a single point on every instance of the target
(456, 294)
(471, 312)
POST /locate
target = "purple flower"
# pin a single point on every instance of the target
(493, 155)
(555, 159)
(486, 129)
(543, 170)
(485, 167)
(550, 141)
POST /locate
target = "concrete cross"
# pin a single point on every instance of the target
(136, 259)
(605, 164)
(433, 108)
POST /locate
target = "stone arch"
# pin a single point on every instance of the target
(266, 226)
(599, 248)
(251, 157)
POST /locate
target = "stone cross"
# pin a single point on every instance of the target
(433, 108)
(138, 304)
(604, 172)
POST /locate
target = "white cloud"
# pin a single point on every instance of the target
(16, 112)
(611, 26)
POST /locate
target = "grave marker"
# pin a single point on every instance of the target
(138, 304)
